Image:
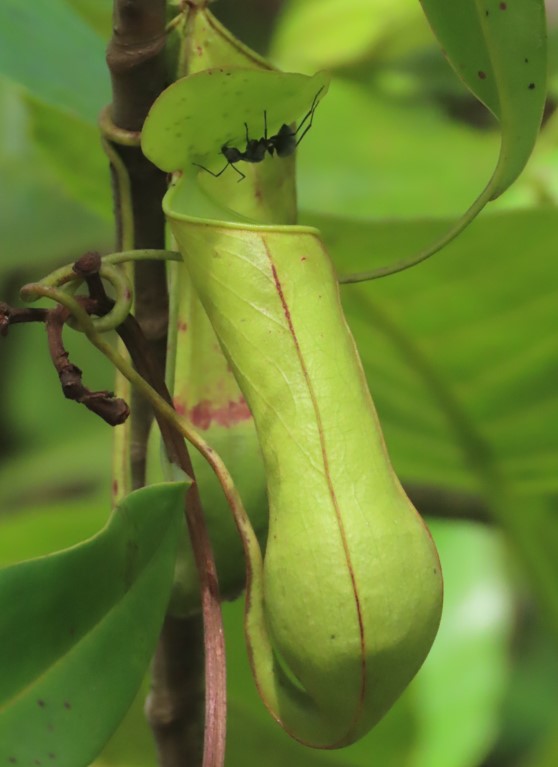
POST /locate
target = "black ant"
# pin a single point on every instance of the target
(282, 143)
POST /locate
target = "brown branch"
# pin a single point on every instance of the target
(169, 707)
(136, 60)
(173, 707)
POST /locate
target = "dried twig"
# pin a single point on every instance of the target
(111, 409)
(11, 315)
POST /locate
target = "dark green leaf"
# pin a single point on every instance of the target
(499, 50)
(476, 323)
(47, 48)
(77, 631)
(72, 148)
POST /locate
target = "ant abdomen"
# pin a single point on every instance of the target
(284, 142)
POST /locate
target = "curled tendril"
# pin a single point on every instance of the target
(68, 280)
(61, 284)
(35, 290)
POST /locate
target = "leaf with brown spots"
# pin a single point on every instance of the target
(78, 628)
(499, 51)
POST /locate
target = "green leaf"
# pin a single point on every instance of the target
(38, 219)
(468, 339)
(71, 147)
(42, 412)
(39, 222)
(78, 629)
(348, 31)
(74, 467)
(132, 745)
(477, 319)
(499, 50)
(50, 51)
(362, 159)
(505, 45)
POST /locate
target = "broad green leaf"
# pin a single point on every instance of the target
(49, 32)
(468, 338)
(499, 50)
(42, 412)
(362, 159)
(530, 711)
(348, 31)
(45, 526)
(477, 322)
(38, 220)
(132, 745)
(505, 45)
(76, 466)
(489, 343)
(72, 148)
(98, 608)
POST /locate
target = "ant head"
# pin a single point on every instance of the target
(231, 153)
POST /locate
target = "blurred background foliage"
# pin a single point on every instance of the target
(461, 352)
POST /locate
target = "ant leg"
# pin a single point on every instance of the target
(305, 131)
(240, 173)
(247, 137)
(215, 175)
(309, 114)
(265, 125)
